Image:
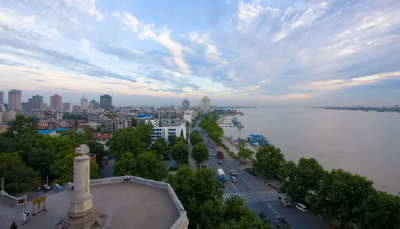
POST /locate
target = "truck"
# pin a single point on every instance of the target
(221, 175)
(282, 223)
(220, 154)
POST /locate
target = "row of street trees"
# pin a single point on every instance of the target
(200, 150)
(209, 124)
(27, 157)
(201, 195)
(336, 195)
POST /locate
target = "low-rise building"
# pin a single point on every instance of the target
(102, 138)
(165, 131)
(111, 124)
(9, 116)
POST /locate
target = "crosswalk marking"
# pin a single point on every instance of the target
(255, 196)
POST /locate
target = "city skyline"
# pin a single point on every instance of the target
(254, 53)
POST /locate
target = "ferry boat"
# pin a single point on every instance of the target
(257, 140)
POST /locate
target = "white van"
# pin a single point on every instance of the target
(301, 207)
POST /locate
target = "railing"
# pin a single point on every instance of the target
(12, 200)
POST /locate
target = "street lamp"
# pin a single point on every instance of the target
(47, 182)
(2, 186)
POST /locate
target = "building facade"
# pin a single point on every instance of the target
(9, 116)
(37, 102)
(105, 102)
(185, 104)
(94, 105)
(111, 124)
(1, 97)
(165, 131)
(14, 100)
(205, 104)
(56, 102)
(84, 104)
(69, 107)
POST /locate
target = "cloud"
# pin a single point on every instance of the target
(160, 35)
(173, 90)
(331, 85)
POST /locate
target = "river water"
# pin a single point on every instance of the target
(366, 143)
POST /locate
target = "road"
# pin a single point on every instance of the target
(256, 195)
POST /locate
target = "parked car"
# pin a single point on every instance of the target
(301, 207)
(233, 172)
(219, 162)
(264, 215)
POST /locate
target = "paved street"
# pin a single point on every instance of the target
(255, 194)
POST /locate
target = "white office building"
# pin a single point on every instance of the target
(165, 131)
(84, 104)
(111, 124)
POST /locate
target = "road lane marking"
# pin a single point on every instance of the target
(255, 196)
(274, 211)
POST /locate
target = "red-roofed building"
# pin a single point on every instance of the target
(102, 138)
(81, 121)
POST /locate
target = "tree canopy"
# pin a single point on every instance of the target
(126, 140)
(269, 160)
(160, 146)
(195, 137)
(200, 153)
(244, 153)
(215, 132)
(21, 125)
(180, 152)
(340, 195)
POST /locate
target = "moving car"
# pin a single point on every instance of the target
(209, 154)
(285, 202)
(219, 162)
(301, 207)
(233, 172)
(233, 179)
(211, 146)
(264, 215)
(282, 223)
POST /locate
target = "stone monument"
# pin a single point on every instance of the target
(81, 213)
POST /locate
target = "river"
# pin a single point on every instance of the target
(366, 143)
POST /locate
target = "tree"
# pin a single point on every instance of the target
(180, 153)
(304, 179)
(194, 189)
(145, 165)
(380, 210)
(230, 215)
(244, 153)
(339, 196)
(127, 140)
(97, 149)
(144, 133)
(133, 122)
(195, 137)
(200, 153)
(89, 133)
(41, 161)
(21, 125)
(160, 146)
(269, 160)
(172, 140)
(17, 176)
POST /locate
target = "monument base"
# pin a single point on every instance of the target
(92, 220)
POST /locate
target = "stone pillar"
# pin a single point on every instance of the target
(81, 202)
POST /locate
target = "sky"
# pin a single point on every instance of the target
(242, 53)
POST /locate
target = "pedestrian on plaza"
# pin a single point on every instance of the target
(14, 226)
(23, 218)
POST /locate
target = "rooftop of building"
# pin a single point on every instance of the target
(102, 136)
(141, 204)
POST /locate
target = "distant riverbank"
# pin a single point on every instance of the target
(359, 142)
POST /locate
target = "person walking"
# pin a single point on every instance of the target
(23, 218)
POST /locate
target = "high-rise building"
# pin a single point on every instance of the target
(105, 102)
(37, 102)
(56, 102)
(94, 104)
(69, 107)
(185, 104)
(1, 97)
(28, 106)
(205, 104)
(84, 104)
(14, 100)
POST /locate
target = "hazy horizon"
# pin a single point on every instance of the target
(241, 53)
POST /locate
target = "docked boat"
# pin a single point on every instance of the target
(257, 140)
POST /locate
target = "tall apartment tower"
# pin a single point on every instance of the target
(1, 97)
(105, 102)
(185, 104)
(84, 104)
(14, 100)
(205, 104)
(37, 102)
(56, 102)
